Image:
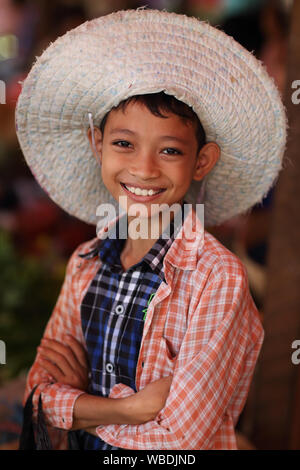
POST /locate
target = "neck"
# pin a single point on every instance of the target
(144, 232)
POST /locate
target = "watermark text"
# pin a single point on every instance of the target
(296, 94)
(2, 352)
(150, 221)
(2, 92)
(296, 354)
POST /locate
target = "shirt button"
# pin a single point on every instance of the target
(109, 367)
(119, 309)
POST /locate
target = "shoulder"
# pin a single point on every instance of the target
(81, 255)
(216, 261)
(226, 282)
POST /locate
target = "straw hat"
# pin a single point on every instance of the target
(104, 61)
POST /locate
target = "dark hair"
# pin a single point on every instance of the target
(157, 103)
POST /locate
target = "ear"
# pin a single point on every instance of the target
(97, 149)
(207, 157)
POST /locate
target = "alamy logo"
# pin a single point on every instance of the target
(8, 46)
(296, 94)
(147, 222)
(2, 92)
(2, 352)
(296, 354)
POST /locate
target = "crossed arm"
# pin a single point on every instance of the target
(61, 369)
(68, 364)
(208, 388)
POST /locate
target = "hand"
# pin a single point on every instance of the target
(144, 405)
(92, 431)
(66, 362)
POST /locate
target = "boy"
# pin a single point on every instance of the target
(171, 331)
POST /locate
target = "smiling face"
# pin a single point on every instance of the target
(150, 159)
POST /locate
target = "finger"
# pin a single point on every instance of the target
(169, 379)
(164, 380)
(53, 342)
(168, 382)
(57, 359)
(78, 350)
(62, 349)
(51, 368)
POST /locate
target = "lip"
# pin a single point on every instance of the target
(142, 187)
(137, 198)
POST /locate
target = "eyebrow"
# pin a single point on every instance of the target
(117, 130)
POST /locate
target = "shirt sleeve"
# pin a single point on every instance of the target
(58, 399)
(210, 384)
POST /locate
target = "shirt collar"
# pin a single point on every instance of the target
(155, 256)
(183, 252)
(109, 249)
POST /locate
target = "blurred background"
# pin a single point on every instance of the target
(37, 237)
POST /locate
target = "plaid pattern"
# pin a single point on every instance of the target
(112, 315)
(202, 327)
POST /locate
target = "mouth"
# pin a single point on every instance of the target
(140, 191)
(140, 194)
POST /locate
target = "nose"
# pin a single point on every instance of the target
(144, 166)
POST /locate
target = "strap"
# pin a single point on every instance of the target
(43, 441)
(74, 440)
(27, 439)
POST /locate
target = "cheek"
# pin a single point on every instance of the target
(181, 174)
(105, 172)
(110, 169)
(108, 164)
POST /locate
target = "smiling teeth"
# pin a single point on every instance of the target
(141, 192)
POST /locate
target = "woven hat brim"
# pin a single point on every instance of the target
(102, 62)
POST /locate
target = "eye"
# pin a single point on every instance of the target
(172, 151)
(121, 143)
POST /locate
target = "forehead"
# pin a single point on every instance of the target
(136, 115)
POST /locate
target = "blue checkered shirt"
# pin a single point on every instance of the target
(112, 316)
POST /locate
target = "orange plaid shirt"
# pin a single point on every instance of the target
(202, 326)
